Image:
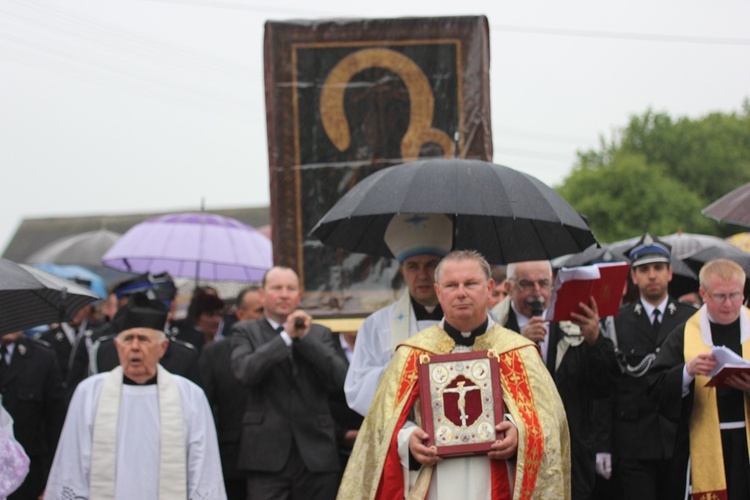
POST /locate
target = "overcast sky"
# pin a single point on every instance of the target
(131, 106)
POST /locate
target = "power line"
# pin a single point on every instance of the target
(645, 37)
(651, 37)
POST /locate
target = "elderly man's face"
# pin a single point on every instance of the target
(464, 292)
(419, 275)
(723, 298)
(140, 350)
(533, 282)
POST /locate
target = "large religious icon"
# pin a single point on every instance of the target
(461, 401)
(345, 98)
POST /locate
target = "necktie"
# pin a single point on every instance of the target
(656, 325)
(291, 351)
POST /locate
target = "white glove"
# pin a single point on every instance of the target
(604, 465)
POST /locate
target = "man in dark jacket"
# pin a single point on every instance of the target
(580, 359)
(641, 441)
(31, 389)
(289, 369)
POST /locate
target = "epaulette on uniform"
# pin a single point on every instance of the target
(177, 341)
(106, 338)
(41, 342)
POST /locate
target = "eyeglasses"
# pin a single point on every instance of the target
(530, 286)
(720, 298)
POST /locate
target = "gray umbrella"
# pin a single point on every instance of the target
(31, 297)
(696, 260)
(83, 249)
(732, 208)
(506, 215)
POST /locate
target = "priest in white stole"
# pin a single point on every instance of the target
(418, 241)
(138, 431)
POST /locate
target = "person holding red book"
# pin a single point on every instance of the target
(713, 421)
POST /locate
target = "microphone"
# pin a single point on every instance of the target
(537, 308)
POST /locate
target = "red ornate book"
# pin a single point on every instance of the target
(604, 282)
(461, 401)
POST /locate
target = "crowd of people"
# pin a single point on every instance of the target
(267, 404)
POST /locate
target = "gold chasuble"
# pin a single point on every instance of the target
(706, 457)
(542, 463)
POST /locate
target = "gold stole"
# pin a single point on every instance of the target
(707, 461)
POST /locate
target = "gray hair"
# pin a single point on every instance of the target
(511, 269)
(459, 255)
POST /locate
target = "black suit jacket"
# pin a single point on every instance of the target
(56, 338)
(227, 399)
(583, 376)
(346, 419)
(32, 394)
(287, 401)
(638, 432)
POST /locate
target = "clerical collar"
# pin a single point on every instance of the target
(421, 312)
(465, 338)
(130, 381)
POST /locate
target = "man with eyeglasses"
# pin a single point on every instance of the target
(634, 437)
(580, 359)
(713, 421)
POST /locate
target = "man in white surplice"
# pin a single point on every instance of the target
(418, 241)
(138, 431)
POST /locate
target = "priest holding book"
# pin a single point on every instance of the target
(530, 456)
(713, 422)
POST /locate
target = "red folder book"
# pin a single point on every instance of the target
(604, 282)
(719, 380)
(729, 363)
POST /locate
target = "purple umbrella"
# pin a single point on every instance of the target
(193, 245)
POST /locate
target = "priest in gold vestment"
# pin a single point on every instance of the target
(531, 457)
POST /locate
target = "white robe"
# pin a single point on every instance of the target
(138, 444)
(373, 350)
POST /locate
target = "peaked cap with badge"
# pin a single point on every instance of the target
(649, 250)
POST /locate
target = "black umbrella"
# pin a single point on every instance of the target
(593, 254)
(696, 259)
(31, 297)
(506, 215)
(732, 208)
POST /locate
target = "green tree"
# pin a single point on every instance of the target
(628, 196)
(658, 173)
